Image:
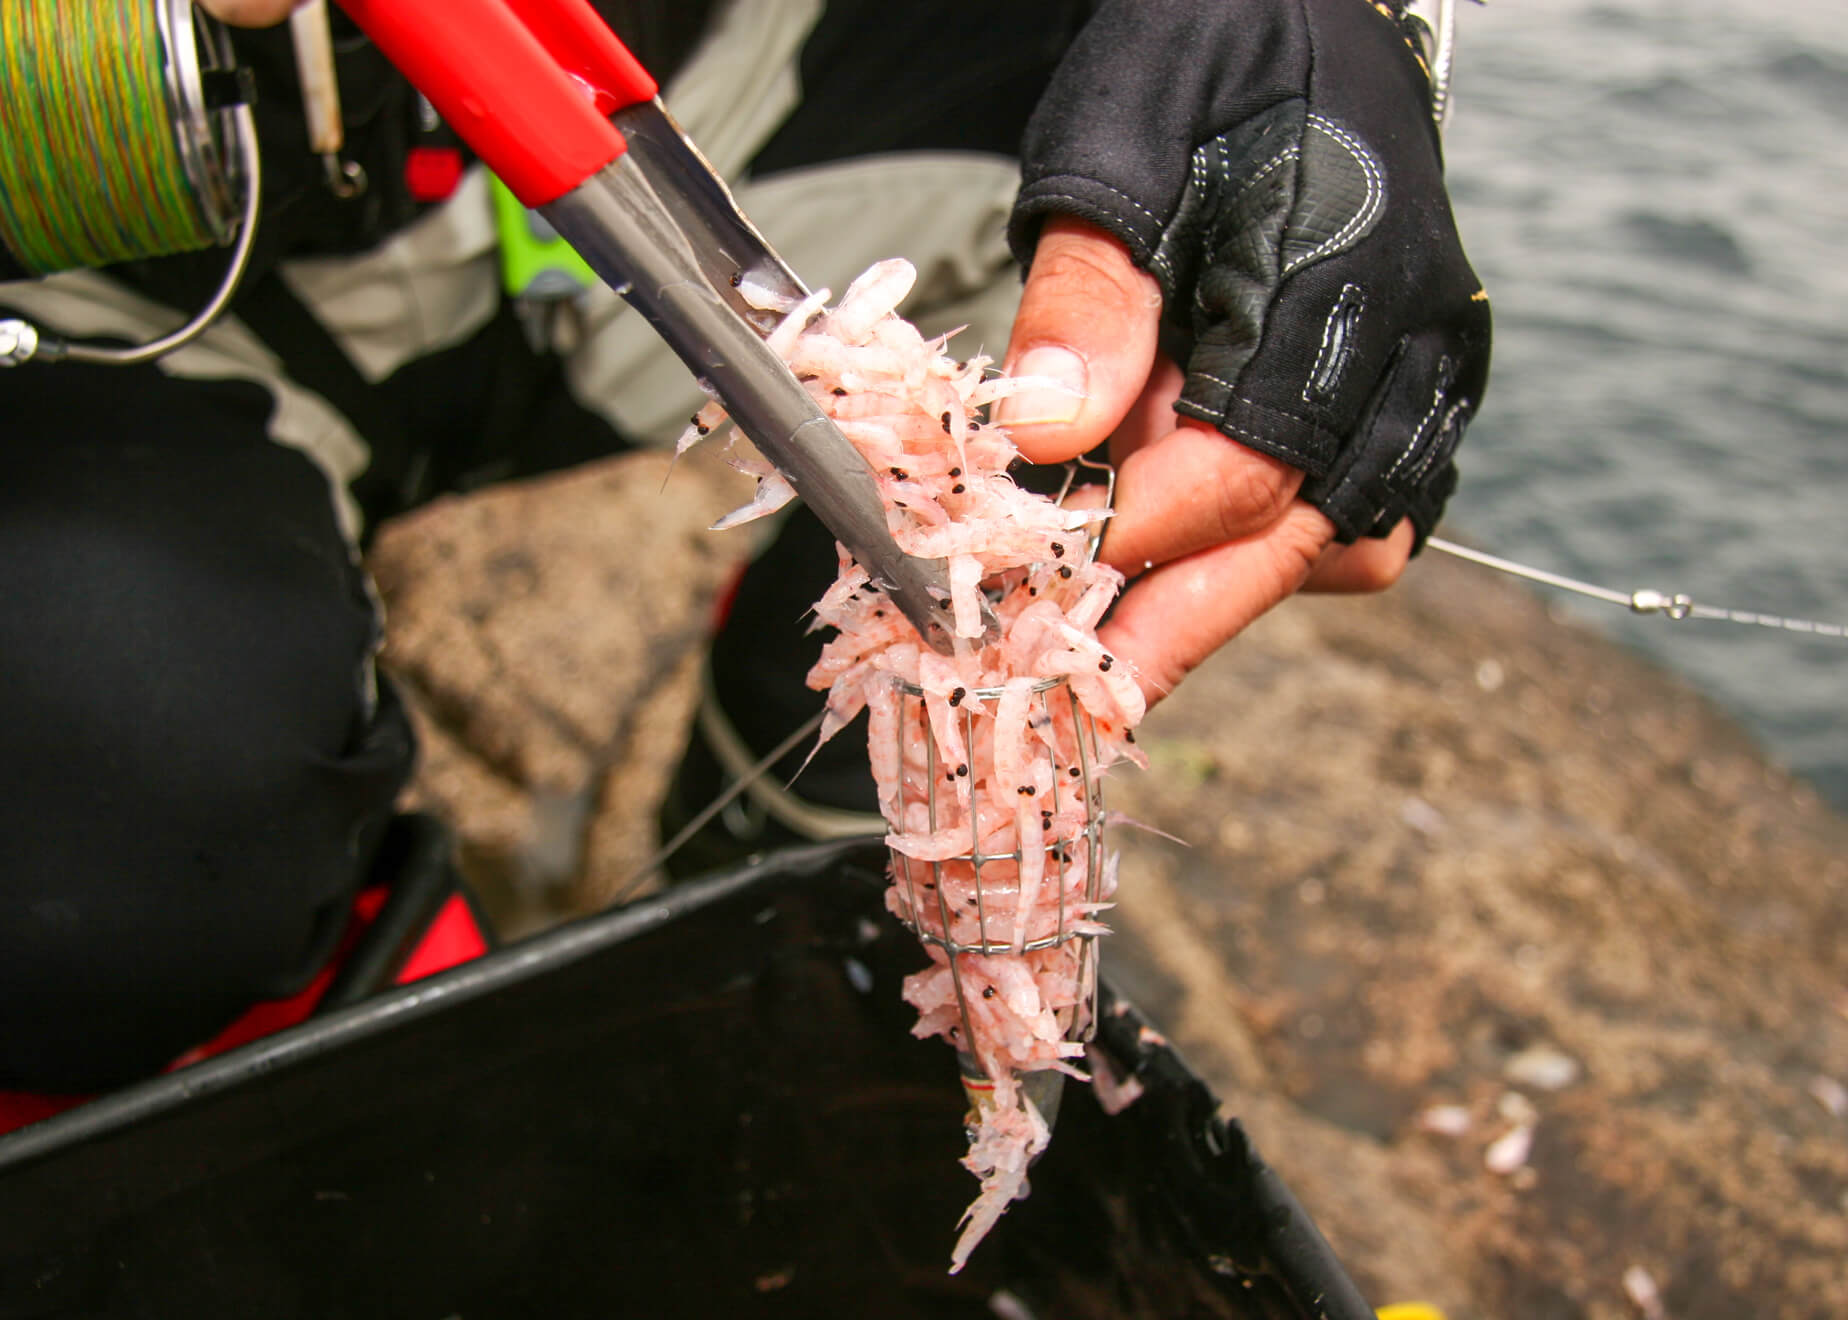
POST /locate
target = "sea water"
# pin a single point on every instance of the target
(1655, 193)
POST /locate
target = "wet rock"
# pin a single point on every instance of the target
(1678, 937)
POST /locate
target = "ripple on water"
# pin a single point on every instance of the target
(1694, 240)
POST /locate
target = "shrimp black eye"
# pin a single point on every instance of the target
(1105, 664)
(1058, 549)
(988, 992)
(957, 696)
(962, 771)
(955, 472)
(957, 489)
(1065, 571)
(1074, 772)
(737, 278)
(839, 393)
(946, 422)
(1025, 790)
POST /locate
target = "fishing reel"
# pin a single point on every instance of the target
(144, 145)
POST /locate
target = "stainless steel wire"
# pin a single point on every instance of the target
(1079, 778)
(998, 899)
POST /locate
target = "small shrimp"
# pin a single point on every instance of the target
(990, 802)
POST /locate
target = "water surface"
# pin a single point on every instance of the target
(1655, 193)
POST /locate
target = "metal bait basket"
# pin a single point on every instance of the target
(141, 144)
(1081, 782)
(923, 884)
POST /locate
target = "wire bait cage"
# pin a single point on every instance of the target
(1032, 878)
(990, 900)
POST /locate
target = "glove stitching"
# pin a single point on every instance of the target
(1226, 212)
(1161, 261)
(1369, 210)
(1038, 192)
(1347, 311)
(1332, 504)
(1451, 425)
(1424, 426)
(1218, 144)
(1268, 444)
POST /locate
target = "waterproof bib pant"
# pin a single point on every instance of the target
(195, 753)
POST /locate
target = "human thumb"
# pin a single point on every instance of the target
(1089, 320)
(251, 13)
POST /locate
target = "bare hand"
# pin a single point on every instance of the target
(251, 13)
(1212, 532)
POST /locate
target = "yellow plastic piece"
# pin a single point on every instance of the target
(1410, 1311)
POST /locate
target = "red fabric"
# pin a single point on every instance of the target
(727, 597)
(452, 937)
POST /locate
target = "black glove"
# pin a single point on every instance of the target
(1274, 164)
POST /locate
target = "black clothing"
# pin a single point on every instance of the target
(194, 761)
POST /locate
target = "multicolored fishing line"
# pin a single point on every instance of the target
(91, 171)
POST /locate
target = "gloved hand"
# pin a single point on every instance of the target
(1234, 211)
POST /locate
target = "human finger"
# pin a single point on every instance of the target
(1151, 416)
(1370, 565)
(250, 13)
(1088, 319)
(1190, 490)
(1175, 616)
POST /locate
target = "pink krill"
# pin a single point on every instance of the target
(994, 751)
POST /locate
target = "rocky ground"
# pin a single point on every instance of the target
(1462, 887)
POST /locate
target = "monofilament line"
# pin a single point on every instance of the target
(719, 804)
(1643, 600)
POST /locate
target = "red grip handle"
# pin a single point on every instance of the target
(528, 84)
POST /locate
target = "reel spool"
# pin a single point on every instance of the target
(128, 134)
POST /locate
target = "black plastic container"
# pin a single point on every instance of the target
(702, 1105)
